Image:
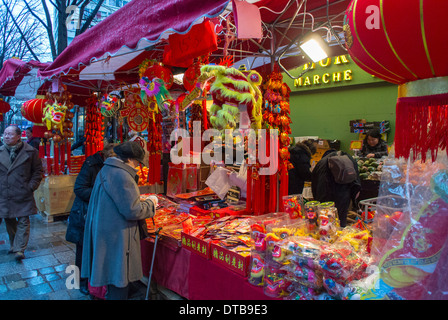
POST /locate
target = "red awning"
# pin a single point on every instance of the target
(136, 26)
(19, 78)
(108, 55)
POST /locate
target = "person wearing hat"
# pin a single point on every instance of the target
(111, 245)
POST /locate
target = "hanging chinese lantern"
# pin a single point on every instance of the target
(403, 42)
(32, 110)
(152, 69)
(4, 107)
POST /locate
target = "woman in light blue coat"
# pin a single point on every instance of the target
(111, 247)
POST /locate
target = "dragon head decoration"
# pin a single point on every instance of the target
(231, 88)
(54, 115)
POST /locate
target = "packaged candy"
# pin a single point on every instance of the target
(304, 276)
(341, 262)
(328, 221)
(280, 231)
(311, 215)
(276, 283)
(258, 224)
(257, 266)
(293, 206)
(304, 251)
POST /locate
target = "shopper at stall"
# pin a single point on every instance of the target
(300, 158)
(373, 146)
(325, 188)
(32, 141)
(109, 132)
(20, 175)
(111, 245)
(83, 188)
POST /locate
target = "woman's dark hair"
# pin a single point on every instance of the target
(374, 133)
(311, 144)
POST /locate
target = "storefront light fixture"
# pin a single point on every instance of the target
(314, 47)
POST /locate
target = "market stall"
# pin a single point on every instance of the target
(229, 230)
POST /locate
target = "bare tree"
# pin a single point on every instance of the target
(20, 34)
(63, 9)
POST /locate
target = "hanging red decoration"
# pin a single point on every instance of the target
(400, 42)
(199, 41)
(153, 69)
(4, 107)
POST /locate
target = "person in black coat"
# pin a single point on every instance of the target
(325, 188)
(83, 188)
(373, 146)
(32, 141)
(300, 158)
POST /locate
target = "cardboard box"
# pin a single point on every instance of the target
(55, 194)
(196, 245)
(230, 259)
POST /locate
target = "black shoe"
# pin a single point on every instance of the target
(19, 256)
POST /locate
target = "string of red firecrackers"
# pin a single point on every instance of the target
(154, 147)
(94, 127)
(276, 112)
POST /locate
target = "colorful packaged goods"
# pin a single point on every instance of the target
(276, 283)
(311, 215)
(328, 221)
(293, 206)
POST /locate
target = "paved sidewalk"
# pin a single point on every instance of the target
(41, 275)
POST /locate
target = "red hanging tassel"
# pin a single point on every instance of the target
(69, 155)
(262, 194)
(56, 159)
(421, 125)
(249, 190)
(273, 193)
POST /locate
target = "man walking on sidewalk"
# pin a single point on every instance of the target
(20, 176)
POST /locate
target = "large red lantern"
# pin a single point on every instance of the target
(4, 107)
(32, 110)
(404, 42)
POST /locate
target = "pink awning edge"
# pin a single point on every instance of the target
(138, 20)
(13, 71)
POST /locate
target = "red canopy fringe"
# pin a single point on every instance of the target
(421, 125)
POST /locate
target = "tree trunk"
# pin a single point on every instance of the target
(62, 28)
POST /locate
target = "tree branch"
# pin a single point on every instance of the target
(20, 31)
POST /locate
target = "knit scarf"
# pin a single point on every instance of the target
(14, 150)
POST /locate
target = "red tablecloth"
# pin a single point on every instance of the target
(194, 277)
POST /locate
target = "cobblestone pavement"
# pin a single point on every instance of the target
(41, 275)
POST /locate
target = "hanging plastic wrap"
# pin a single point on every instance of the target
(410, 239)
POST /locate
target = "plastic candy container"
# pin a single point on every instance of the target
(311, 215)
(328, 221)
(257, 266)
(293, 205)
(276, 283)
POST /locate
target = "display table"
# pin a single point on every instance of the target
(193, 277)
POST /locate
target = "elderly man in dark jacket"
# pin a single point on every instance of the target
(20, 176)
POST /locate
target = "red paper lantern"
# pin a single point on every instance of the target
(404, 42)
(157, 71)
(32, 110)
(4, 107)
